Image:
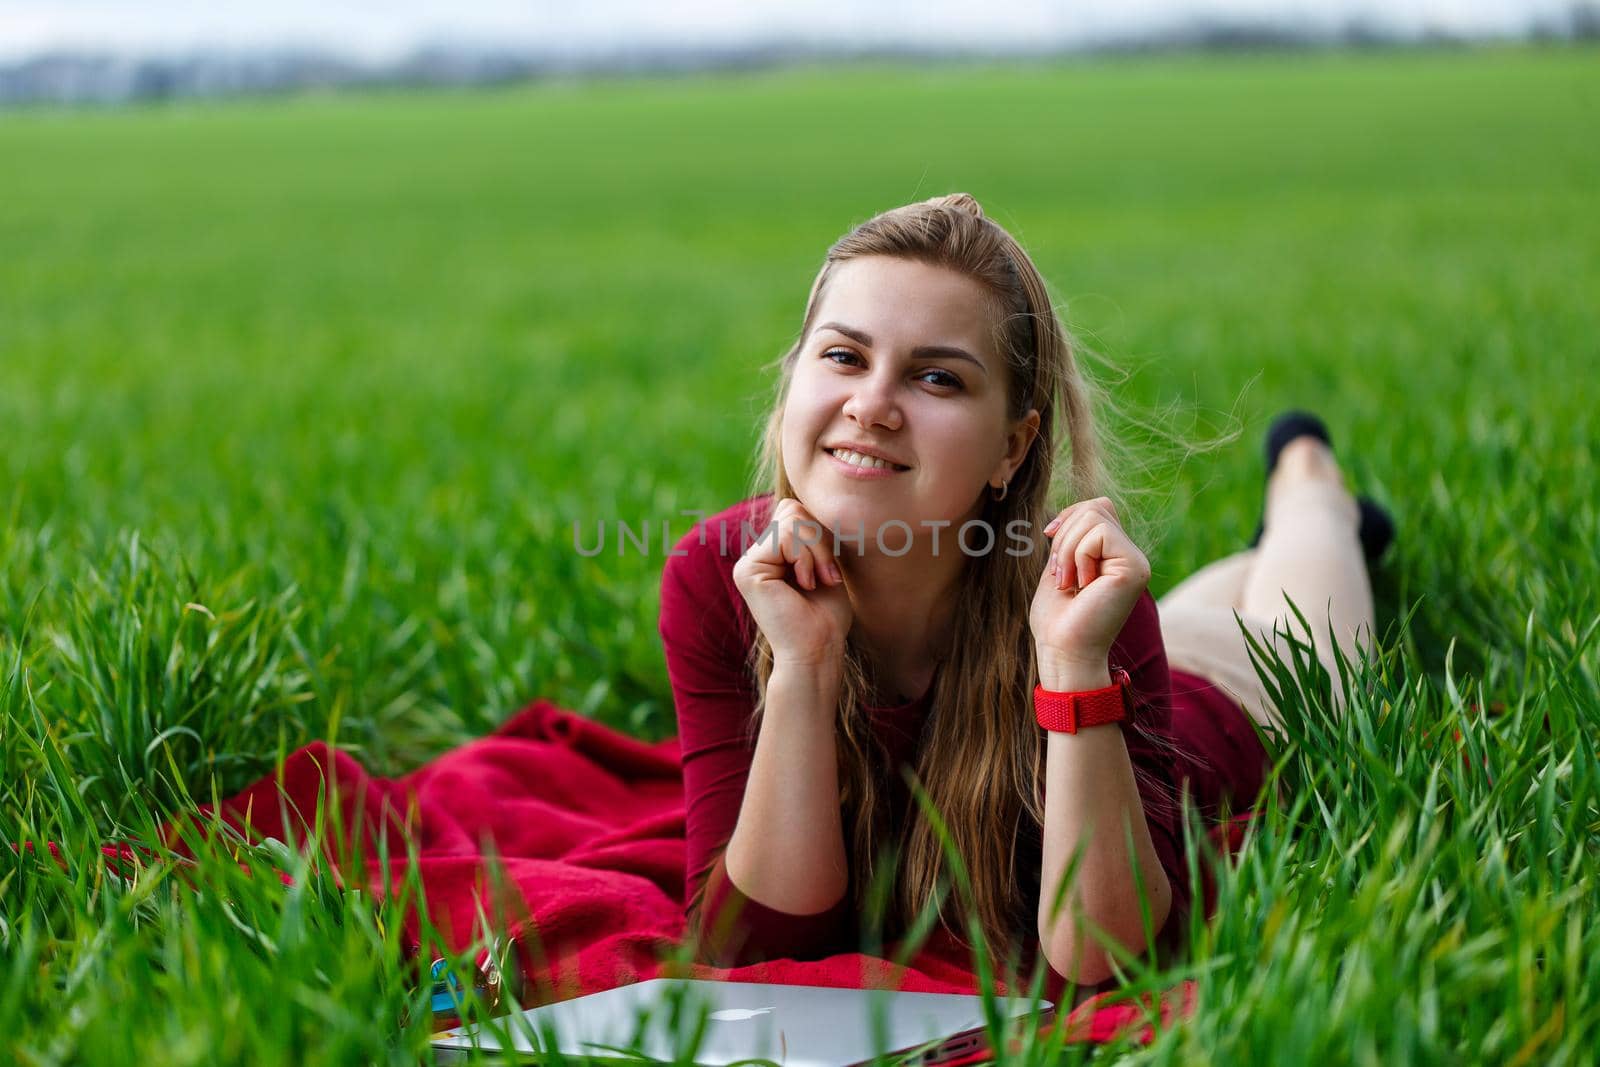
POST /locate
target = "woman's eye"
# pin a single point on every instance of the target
(945, 379)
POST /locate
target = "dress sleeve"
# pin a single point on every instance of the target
(1140, 650)
(705, 645)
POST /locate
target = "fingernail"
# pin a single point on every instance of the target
(833, 573)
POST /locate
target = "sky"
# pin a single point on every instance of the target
(377, 31)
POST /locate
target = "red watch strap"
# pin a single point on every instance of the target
(1070, 712)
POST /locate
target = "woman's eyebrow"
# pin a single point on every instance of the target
(921, 352)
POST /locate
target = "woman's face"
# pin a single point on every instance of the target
(900, 359)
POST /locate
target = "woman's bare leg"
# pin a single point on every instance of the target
(1310, 552)
(1219, 584)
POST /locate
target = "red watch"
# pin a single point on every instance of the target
(1068, 713)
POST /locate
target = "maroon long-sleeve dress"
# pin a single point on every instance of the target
(707, 630)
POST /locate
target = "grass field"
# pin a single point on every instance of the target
(345, 370)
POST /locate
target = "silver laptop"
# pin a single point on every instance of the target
(791, 1025)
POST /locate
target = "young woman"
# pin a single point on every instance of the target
(853, 622)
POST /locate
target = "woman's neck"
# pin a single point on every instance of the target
(904, 615)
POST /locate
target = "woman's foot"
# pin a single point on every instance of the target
(1297, 448)
(1303, 459)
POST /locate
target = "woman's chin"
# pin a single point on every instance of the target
(845, 516)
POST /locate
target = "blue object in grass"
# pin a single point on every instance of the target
(446, 989)
(448, 997)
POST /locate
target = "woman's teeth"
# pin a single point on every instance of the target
(856, 459)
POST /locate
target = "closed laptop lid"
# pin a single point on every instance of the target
(796, 1026)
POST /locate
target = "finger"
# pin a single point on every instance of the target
(772, 547)
(1091, 550)
(804, 545)
(1060, 554)
(803, 571)
(1068, 573)
(1103, 504)
(1103, 533)
(1061, 516)
(814, 537)
(1109, 543)
(1081, 560)
(1088, 554)
(1054, 556)
(1056, 553)
(1063, 551)
(811, 541)
(819, 566)
(827, 565)
(768, 548)
(796, 553)
(1071, 573)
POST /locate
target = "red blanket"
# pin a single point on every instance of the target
(588, 824)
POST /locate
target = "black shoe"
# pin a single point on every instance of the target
(1286, 428)
(1377, 525)
(1377, 529)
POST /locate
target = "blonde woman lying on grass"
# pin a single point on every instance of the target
(905, 593)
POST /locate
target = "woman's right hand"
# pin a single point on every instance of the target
(804, 619)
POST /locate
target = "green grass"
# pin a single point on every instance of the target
(299, 400)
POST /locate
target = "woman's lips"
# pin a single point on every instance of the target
(864, 473)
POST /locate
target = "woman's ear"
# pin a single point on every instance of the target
(1024, 431)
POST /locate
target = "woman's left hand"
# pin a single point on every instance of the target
(1092, 579)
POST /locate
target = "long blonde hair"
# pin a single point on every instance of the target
(981, 757)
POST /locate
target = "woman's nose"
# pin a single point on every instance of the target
(872, 403)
